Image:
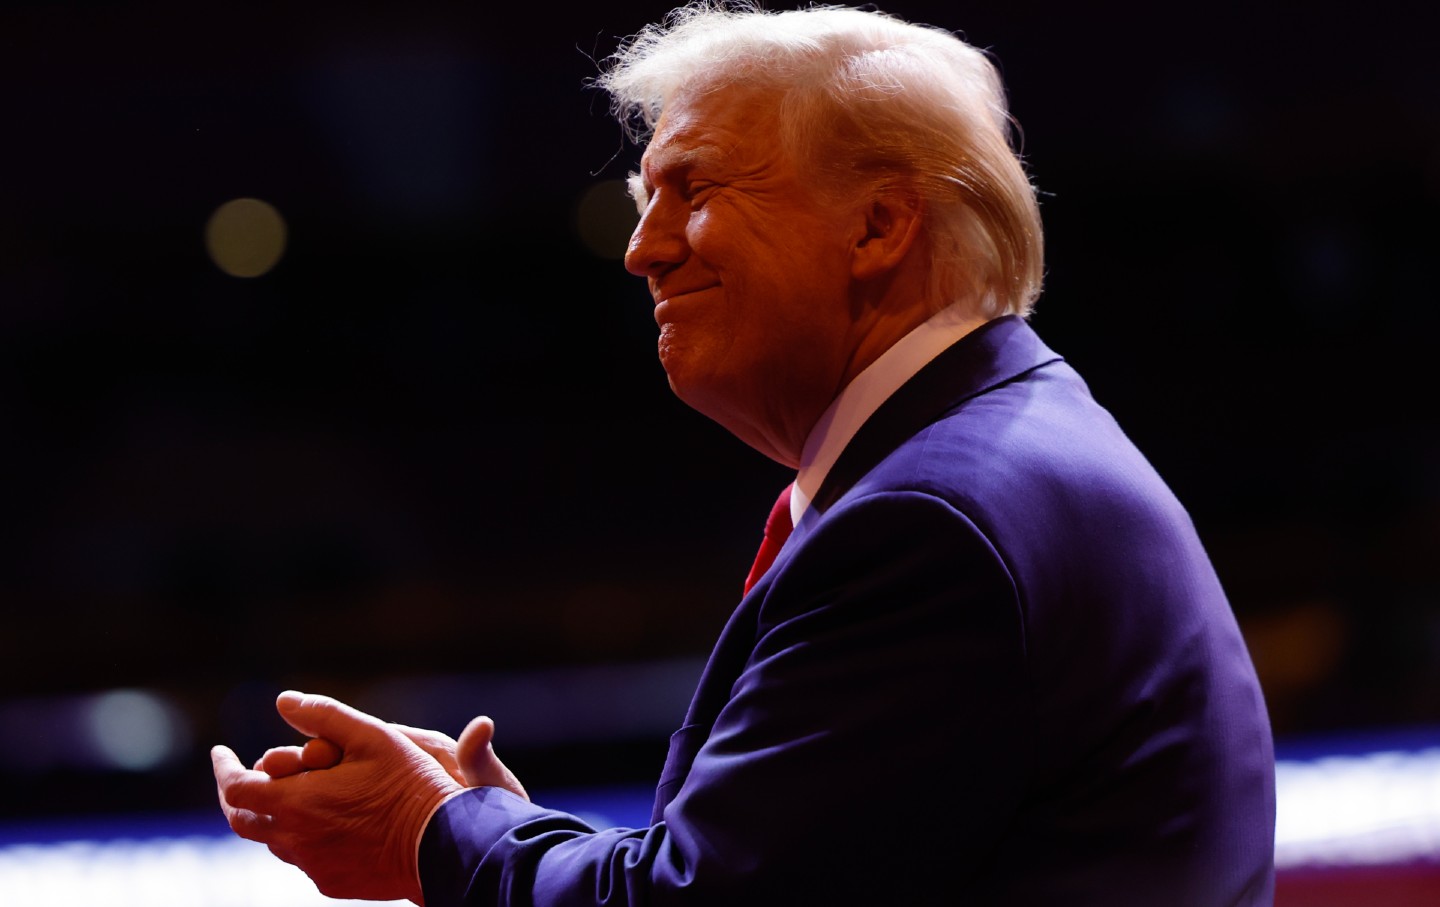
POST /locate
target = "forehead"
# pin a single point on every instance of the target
(711, 128)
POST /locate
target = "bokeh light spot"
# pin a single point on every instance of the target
(134, 730)
(245, 237)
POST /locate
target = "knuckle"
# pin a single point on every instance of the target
(248, 825)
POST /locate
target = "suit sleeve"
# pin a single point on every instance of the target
(873, 743)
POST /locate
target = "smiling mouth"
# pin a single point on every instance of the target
(668, 297)
(663, 303)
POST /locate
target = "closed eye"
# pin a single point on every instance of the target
(698, 191)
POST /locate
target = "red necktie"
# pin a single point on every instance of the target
(777, 530)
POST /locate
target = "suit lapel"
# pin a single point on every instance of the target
(992, 354)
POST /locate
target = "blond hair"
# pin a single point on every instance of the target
(868, 102)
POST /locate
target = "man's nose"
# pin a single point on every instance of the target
(658, 243)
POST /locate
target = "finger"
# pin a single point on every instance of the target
(281, 762)
(478, 763)
(473, 750)
(284, 761)
(320, 716)
(249, 825)
(221, 760)
(320, 753)
(243, 822)
(240, 789)
(226, 765)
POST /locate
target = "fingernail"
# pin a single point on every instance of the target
(288, 701)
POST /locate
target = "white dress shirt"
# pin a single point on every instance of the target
(872, 387)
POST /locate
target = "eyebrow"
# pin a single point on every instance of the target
(699, 155)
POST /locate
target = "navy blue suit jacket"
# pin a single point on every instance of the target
(992, 665)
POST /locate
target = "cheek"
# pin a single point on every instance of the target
(703, 235)
(730, 238)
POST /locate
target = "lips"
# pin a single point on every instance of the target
(665, 300)
(662, 296)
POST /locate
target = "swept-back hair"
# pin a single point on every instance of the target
(868, 102)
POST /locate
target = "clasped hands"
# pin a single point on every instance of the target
(348, 807)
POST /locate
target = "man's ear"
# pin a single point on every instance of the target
(892, 227)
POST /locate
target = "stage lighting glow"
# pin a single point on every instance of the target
(162, 872)
(605, 217)
(1370, 809)
(245, 237)
(198, 862)
(134, 730)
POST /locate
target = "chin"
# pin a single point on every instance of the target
(687, 385)
(686, 390)
(683, 367)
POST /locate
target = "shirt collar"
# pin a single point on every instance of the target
(872, 387)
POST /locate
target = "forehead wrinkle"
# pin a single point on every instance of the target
(673, 155)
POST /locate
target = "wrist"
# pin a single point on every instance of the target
(418, 832)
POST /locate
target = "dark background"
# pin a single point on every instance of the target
(435, 441)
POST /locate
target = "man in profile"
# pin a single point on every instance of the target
(990, 663)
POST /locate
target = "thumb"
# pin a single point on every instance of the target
(320, 716)
(478, 762)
